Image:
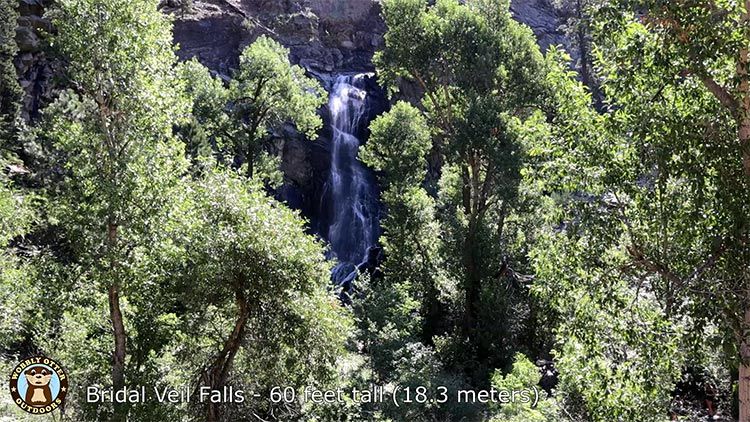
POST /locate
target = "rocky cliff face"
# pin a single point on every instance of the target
(544, 19)
(34, 69)
(326, 37)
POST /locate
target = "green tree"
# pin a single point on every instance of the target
(16, 291)
(646, 221)
(207, 132)
(523, 380)
(617, 354)
(235, 122)
(398, 145)
(10, 92)
(705, 40)
(114, 130)
(245, 265)
(403, 311)
(480, 74)
(691, 60)
(266, 92)
(578, 16)
(616, 350)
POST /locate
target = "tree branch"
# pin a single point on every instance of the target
(725, 98)
(678, 283)
(706, 265)
(652, 265)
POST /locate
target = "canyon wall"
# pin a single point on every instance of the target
(326, 37)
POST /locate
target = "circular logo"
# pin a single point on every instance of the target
(38, 385)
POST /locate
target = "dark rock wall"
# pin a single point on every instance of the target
(543, 19)
(325, 37)
(35, 71)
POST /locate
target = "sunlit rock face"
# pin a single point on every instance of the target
(544, 19)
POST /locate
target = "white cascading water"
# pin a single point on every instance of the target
(351, 186)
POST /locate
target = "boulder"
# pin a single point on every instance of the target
(37, 23)
(31, 7)
(27, 39)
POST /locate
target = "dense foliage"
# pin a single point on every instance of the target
(576, 231)
(10, 90)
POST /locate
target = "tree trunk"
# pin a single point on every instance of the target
(473, 208)
(744, 139)
(744, 109)
(744, 391)
(744, 378)
(216, 376)
(472, 281)
(433, 314)
(118, 357)
(118, 328)
(431, 311)
(250, 156)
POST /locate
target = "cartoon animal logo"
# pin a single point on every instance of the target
(38, 385)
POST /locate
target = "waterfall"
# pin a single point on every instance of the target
(351, 187)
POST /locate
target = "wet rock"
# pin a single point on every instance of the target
(31, 7)
(349, 45)
(26, 60)
(37, 23)
(27, 39)
(296, 164)
(343, 274)
(371, 264)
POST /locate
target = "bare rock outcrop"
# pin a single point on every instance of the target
(324, 36)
